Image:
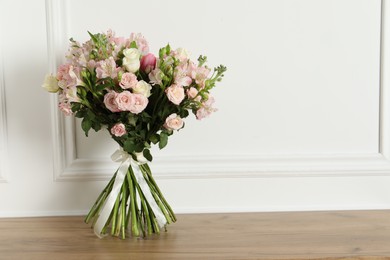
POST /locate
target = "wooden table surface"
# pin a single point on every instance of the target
(299, 235)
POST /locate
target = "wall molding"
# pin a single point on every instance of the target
(68, 167)
(3, 121)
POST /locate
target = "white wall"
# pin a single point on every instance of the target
(303, 120)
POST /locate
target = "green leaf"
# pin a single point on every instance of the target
(139, 147)
(148, 155)
(82, 93)
(93, 37)
(96, 126)
(75, 107)
(129, 146)
(168, 48)
(133, 44)
(132, 120)
(154, 138)
(86, 125)
(163, 140)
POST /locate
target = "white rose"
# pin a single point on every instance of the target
(131, 60)
(143, 88)
(51, 84)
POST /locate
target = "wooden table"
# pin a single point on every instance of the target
(299, 235)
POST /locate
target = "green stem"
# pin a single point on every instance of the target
(134, 224)
(147, 214)
(145, 169)
(115, 210)
(123, 210)
(100, 201)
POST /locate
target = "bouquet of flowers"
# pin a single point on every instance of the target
(115, 83)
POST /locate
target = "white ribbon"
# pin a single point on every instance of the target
(126, 160)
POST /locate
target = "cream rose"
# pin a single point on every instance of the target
(131, 60)
(51, 84)
(173, 122)
(143, 88)
(175, 94)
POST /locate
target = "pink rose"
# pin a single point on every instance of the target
(109, 101)
(175, 94)
(148, 62)
(128, 80)
(173, 122)
(138, 103)
(118, 130)
(124, 100)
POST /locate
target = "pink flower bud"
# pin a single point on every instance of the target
(148, 62)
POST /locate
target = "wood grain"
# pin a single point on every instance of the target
(300, 235)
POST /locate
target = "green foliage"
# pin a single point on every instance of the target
(163, 140)
(148, 155)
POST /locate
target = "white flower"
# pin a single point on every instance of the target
(51, 84)
(143, 88)
(131, 61)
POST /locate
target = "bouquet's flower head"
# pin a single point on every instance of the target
(114, 82)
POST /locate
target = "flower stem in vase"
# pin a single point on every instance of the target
(133, 210)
